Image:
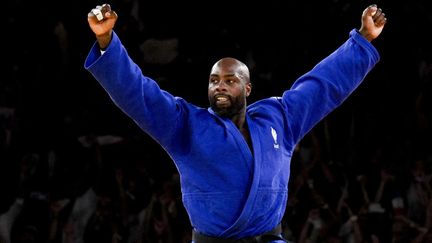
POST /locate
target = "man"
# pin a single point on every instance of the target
(233, 159)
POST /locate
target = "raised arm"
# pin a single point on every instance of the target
(140, 97)
(331, 81)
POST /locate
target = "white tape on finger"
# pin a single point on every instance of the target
(98, 14)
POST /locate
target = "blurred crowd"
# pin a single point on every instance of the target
(75, 169)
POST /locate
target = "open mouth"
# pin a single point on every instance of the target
(222, 100)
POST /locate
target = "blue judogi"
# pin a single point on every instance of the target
(228, 191)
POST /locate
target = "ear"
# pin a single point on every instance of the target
(248, 88)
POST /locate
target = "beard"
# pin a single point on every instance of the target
(236, 105)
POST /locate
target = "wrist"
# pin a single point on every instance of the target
(104, 40)
(365, 34)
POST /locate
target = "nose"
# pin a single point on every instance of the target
(221, 86)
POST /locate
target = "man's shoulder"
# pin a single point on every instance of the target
(265, 105)
(266, 101)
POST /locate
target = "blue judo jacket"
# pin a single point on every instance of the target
(227, 190)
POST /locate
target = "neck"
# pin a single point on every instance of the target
(240, 122)
(239, 119)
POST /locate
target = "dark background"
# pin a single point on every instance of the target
(48, 100)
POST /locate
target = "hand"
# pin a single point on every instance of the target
(373, 21)
(103, 27)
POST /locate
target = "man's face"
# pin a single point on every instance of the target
(228, 88)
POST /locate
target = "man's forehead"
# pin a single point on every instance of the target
(224, 72)
(226, 69)
(230, 67)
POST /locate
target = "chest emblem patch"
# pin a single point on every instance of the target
(274, 135)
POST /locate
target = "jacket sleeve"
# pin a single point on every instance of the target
(154, 110)
(328, 84)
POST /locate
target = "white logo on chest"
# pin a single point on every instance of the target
(274, 135)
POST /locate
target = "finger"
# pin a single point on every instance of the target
(382, 20)
(106, 8)
(107, 11)
(371, 10)
(91, 18)
(377, 14)
(96, 13)
(379, 17)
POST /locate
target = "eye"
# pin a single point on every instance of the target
(213, 81)
(230, 81)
